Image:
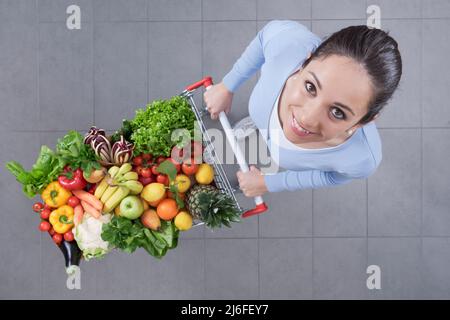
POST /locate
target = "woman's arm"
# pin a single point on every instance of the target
(310, 179)
(252, 58)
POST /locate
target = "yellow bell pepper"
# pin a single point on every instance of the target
(55, 195)
(62, 219)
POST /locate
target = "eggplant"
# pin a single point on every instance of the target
(72, 254)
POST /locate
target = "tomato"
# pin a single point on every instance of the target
(138, 169)
(189, 168)
(137, 161)
(44, 226)
(51, 231)
(68, 236)
(38, 206)
(146, 172)
(160, 159)
(46, 206)
(155, 170)
(45, 214)
(146, 181)
(176, 163)
(167, 209)
(73, 201)
(92, 188)
(177, 154)
(57, 238)
(147, 157)
(162, 178)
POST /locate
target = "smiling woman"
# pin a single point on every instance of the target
(314, 103)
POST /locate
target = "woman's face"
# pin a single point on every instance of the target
(316, 98)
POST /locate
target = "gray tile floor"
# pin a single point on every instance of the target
(313, 243)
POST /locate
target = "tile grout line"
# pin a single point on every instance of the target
(38, 38)
(421, 148)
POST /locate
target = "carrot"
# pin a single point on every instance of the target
(89, 198)
(78, 215)
(90, 209)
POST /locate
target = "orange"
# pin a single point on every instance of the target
(167, 209)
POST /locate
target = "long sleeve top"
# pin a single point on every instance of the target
(278, 50)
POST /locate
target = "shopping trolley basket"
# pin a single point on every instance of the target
(220, 178)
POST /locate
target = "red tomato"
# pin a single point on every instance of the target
(51, 231)
(189, 168)
(176, 163)
(57, 238)
(155, 170)
(68, 236)
(45, 214)
(44, 226)
(46, 206)
(176, 154)
(146, 172)
(38, 206)
(73, 201)
(146, 181)
(162, 178)
(147, 157)
(137, 161)
(139, 170)
(160, 159)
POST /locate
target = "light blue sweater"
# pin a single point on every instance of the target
(278, 50)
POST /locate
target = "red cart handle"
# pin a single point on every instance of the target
(260, 206)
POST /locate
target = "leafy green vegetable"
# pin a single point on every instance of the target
(72, 150)
(125, 131)
(129, 235)
(153, 126)
(46, 169)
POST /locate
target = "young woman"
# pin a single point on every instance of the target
(314, 103)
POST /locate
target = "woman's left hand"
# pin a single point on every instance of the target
(252, 182)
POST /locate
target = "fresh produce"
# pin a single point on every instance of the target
(47, 168)
(153, 126)
(189, 168)
(115, 199)
(167, 209)
(131, 207)
(68, 236)
(183, 221)
(117, 153)
(182, 182)
(153, 192)
(150, 219)
(57, 238)
(208, 204)
(74, 153)
(90, 209)
(44, 226)
(128, 235)
(125, 131)
(55, 195)
(62, 219)
(96, 175)
(72, 180)
(45, 214)
(205, 174)
(78, 213)
(38, 206)
(88, 236)
(73, 201)
(88, 198)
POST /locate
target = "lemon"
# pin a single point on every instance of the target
(153, 192)
(183, 221)
(182, 182)
(205, 174)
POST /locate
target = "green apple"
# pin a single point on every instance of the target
(131, 207)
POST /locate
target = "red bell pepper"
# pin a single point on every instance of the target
(72, 180)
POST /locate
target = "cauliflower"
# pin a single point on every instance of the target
(88, 236)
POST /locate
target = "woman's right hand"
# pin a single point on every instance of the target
(217, 99)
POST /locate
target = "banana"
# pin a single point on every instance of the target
(101, 188)
(130, 176)
(115, 199)
(108, 194)
(113, 171)
(126, 167)
(134, 186)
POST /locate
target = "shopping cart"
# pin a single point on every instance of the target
(210, 156)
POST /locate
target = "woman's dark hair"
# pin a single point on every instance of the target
(376, 51)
